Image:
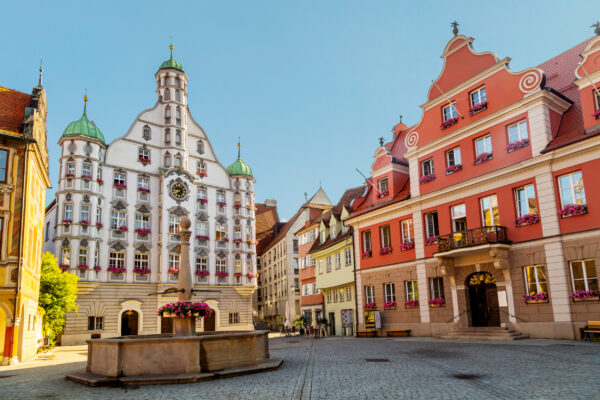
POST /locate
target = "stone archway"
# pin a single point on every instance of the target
(131, 305)
(482, 299)
(129, 323)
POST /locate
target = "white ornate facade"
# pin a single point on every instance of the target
(117, 209)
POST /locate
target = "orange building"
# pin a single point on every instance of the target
(482, 214)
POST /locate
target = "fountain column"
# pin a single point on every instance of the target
(184, 326)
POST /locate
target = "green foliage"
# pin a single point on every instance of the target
(299, 321)
(58, 293)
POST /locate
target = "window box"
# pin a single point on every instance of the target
(527, 219)
(427, 178)
(408, 245)
(69, 176)
(123, 229)
(202, 237)
(67, 222)
(173, 271)
(100, 181)
(237, 240)
(85, 222)
(237, 206)
(202, 201)
(453, 168)
(83, 267)
(571, 210)
(431, 240)
(585, 295)
(250, 275)
(237, 274)
(449, 122)
(370, 306)
(383, 193)
(202, 273)
(87, 177)
(143, 190)
(141, 271)
(221, 203)
(483, 157)
(116, 270)
(97, 268)
(249, 241)
(99, 225)
(513, 146)
(202, 174)
(119, 185)
(540, 297)
(385, 250)
(142, 231)
(411, 304)
(367, 254)
(597, 114)
(63, 267)
(144, 160)
(437, 302)
(389, 305)
(224, 240)
(222, 274)
(477, 108)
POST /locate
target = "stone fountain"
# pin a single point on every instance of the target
(183, 356)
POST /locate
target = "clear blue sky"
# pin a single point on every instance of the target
(308, 85)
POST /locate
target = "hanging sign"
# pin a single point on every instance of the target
(370, 319)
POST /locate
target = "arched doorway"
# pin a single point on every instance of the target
(483, 299)
(129, 323)
(209, 322)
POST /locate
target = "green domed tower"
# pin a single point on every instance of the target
(84, 127)
(239, 167)
(171, 63)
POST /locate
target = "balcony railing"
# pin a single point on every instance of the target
(473, 237)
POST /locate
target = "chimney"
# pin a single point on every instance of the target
(271, 203)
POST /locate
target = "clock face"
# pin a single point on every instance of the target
(179, 191)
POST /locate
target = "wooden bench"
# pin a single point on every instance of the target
(398, 333)
(366, 333)
(591, 327)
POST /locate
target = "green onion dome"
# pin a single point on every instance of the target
(171, 63)
(84, 127)
(239, 167)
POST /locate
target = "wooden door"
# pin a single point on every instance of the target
(209, 322)
(493, 306)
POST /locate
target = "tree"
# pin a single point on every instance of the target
(58, 294)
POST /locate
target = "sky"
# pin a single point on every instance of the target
(308, 86)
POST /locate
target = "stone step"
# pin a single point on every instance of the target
(484, 333)
(484, 337)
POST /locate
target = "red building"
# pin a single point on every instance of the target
(482, 214)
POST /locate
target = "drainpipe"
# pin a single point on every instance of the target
(355, 289)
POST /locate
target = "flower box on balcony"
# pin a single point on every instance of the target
(97, 268)
(237, 240)
(116, 270)
(237, 206)
(144, 160)
(389, 305)
(535, 298)
(86, 177)
(571, 210)
(527, 219)
(224, 240)
(143, 190)
(222, 274)
(249, 275)
(367, 254)
(453, 168)
(202, 273)
(427, 178)
(119, 185)
(202, 201)
(597, 114)
(202, 237)
(141, 271)
(83, 267)
(408, 245)
(99, 225)
(142, 231)
(237, 274)
(483, 157)
(411, 304)
(449, 122)
(63, 267)
(123, 228)
(370, 306)
(67, 221)
(385, 250)
(585, 295)
(221, 203)
(174, 271)
(69, 176)
(431, 240)
(202, 174)
(100, 181)
(85, 222)
(249, 241)
(513, 146)
(383, 193)
(437, 302)
(477, 108)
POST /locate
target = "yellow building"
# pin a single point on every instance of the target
(334, 257)
(23, 183)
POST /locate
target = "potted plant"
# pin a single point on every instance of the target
(385, 250)
(202, 174)
(449, 122)
(222, 274)
(427, 178)
(82, 267)
(202, 273)
(483, 157)
(173, 271)
(300, 323)
(144, 190)
(585, 295)
(477, 108)
(527, 219)
(249, 275)
(371, 306)
(516, 145)
(389, 305)
(221, 203)
(202, 201)
(437, 302)
(202, 237)
(144, 160)
(97, 268)
(99, 225)
(120, 185)
(142, 231)
(63, 267)
(534, 298)
(383, 193)
(431, 240)
(141, 270)
(87, 177)
(85, 222)
(123, 228)
(367, 254)
(571, 210)
(100, 181)
(408, 245)
(411, 303)
(116, 270)
(597, 114)
(67, 221)
(453, 168)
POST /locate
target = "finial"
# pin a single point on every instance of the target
(400, 119)
(381, 141)
(454, 25)
(239, 146)
(41, 71)
(85, 99)
(596, 27)
(171, 46)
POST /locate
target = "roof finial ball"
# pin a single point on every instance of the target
(596, 27)
(454, 25)
(381, 141)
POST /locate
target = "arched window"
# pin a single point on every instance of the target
(178, 116)
(167, 80)
(167, 115)
(200, 147)
(178, 95)
(66, 256)
(178, 137)
(167, 136)
(178, 161)
(147, 134)
(167, 94)
(177, 82)
(167, 162)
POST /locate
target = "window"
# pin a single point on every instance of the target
(459, 218)
(389, 292)
(411, 290)
(597, 99)
(167, 136)
(407, 230)
(200, 168)
(584, 275)
(117, 219)
(220, 197)
(369, 294)
(65, 258)
(328, 264)
(84, 213)
(178, 95)
(431, 224)
(146, 135)
(97, 255)
(87, 170)
(449, 112)
(143, 183)
(116, 259)
(323, 236)
(177, 82)
(202, 228)
(535, 279)
(366, 241)
(478, 97)
(68, 212)
(201, 264)
(332, 232)
(142, 221)
(571, 189)
(119, 178)
(517, 132)
(483, 145)
(95, 323)
(143, 154)
(4, 165)
(83, 256)
(167, 161)
(174, 261)
(167, 109)
(427, 167)
(382, 186)
(436, 285)
(237, 232)
(525, 199)
(178, 116)
(489, 211)
(329, 296)
(234, 318)
(220, 231)
(347, 257)
(338, 260)
(335, 295)
(321, 266)
(167, 97)
(200, 147)
(70, 169)
(141, 260)
(348, 293)
(453, 157)
(174, 224)
(178, 161)
(98, 214)
(384, 233)
(221, 264)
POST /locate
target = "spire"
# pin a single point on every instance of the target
(85, 99)
(171, 47)
(41, 71)
(454, 25)
(239, 147)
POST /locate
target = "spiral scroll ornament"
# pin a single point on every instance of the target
(411, 139)
(530, 81)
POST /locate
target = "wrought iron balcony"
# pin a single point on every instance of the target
(473, 237)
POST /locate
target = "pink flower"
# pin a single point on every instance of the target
(427, 178)
(483, 157)
(449, 122)
(453, 168)
(411, 303)
(367, 254)
(409, 244)
(385, 250)
(478, 107)
(573, 209)
(389, 304)
(370, 306)
(527, 219)
(431, 240)
(438, 301)
(383, 193)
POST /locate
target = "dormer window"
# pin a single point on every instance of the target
(449, 112)
(323, 236)
(167, 161)
(382, 187)
(332, 232)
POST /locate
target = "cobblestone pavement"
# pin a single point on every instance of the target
(331, 368)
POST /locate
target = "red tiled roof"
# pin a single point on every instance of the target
(283, 230)
(266, 225)
(365, 204)
(12, 109)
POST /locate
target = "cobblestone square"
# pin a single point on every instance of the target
(374, 368)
